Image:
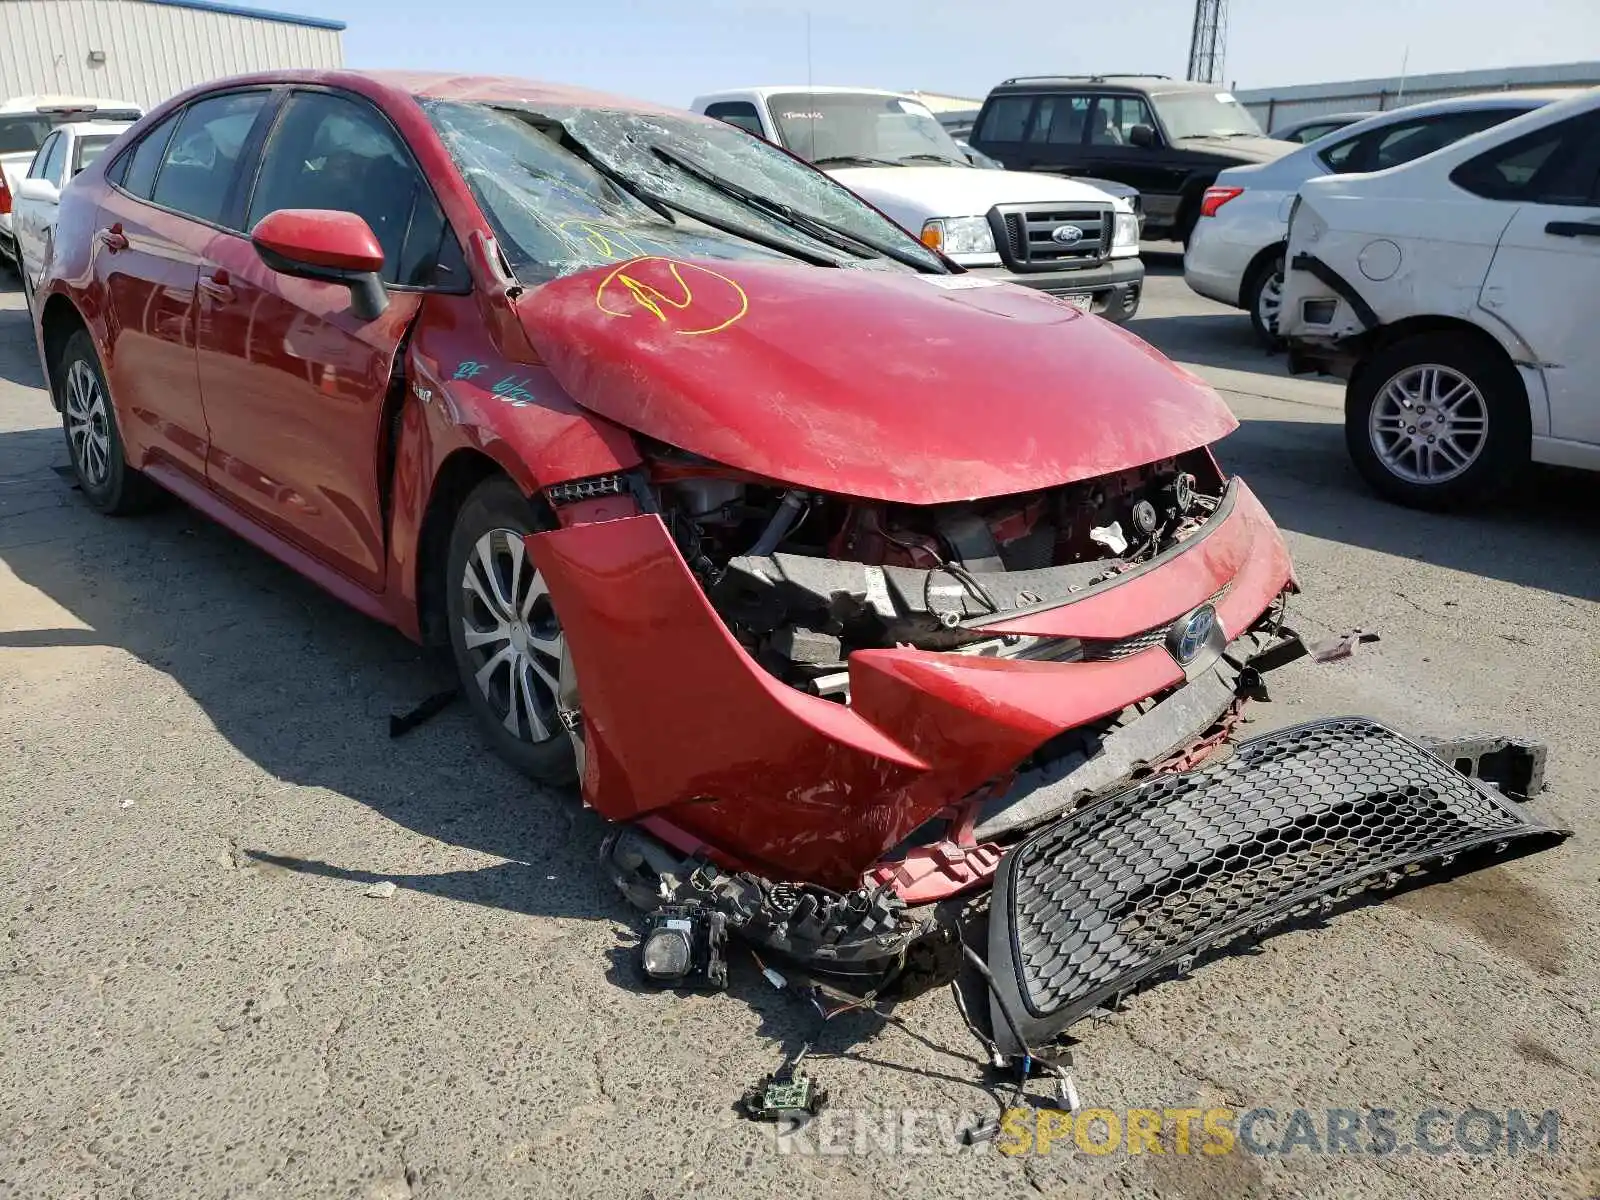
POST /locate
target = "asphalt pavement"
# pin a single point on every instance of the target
(200, 996)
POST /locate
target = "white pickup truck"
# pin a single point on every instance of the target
(1059, 235)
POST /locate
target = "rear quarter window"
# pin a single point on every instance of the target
(1005, 119)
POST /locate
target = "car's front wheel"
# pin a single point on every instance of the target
(1263, 299)
(505, 636)
(1438, 421)
(94, 442)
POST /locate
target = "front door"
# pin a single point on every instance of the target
(294, 383)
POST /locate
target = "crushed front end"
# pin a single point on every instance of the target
(821, 718)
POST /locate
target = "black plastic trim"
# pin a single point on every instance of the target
(1318, 269)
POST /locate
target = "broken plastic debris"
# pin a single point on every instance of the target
(1344, 646)
(382, 891)
(1111, 537)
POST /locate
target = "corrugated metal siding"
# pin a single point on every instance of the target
(152, 50)
(1276, 107)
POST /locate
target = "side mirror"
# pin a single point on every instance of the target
(39, 189)
(329, 246)
(1142, 136)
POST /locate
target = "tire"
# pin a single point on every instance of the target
(526, 662)
(1262, 298)
(1473, 385)
(94, 443)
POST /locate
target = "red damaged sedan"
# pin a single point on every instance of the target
(843, 581)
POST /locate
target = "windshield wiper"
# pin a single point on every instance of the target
(666, 207)
(943, 159)
(823, 231)
(861, 160)
(654, 203)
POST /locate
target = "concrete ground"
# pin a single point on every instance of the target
(181, 1020)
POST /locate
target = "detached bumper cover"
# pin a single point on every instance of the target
(1295, 822)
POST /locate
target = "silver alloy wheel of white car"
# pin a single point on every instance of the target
(1269, 302)
(1428, 424)
(88, 424)
(509, 628)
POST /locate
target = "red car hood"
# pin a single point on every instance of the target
(918, 389)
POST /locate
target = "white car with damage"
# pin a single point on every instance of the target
(1058, 235)
(1458, 295)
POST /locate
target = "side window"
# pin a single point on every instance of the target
(202, 158)
(1005, 119)
(1413, 139)
(1061, 120)
(1547, 166)
(55, 160)
(38, 168)
(1342, 158)
(332, 152)
(737, 112)
(135, 172)
(1114, 118)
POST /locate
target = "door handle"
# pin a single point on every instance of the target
(216, 286)
(113, 239)
(1573, 229)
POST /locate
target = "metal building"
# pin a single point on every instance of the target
(1274, 107)
(147, 50)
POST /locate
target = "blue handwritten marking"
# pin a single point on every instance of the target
(512, 388)
(468, 370)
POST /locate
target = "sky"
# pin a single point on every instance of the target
(670, 52)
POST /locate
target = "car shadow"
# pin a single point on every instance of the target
(19, 362)
(296, 682)
(1218, 338)
(1544, 533)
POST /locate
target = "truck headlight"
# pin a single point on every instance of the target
(959, 235)
(1125, 233)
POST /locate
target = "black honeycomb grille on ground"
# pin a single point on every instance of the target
(1294, 822)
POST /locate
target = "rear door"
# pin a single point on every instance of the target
(294, 383)
(1544, 281)
(168, 192)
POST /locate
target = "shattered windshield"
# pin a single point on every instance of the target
(834, 127)
(555, 214)
(1205, 114)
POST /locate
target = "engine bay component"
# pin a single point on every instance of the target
(1294, 824)
(684, 946)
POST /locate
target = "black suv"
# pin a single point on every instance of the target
(1163, 136)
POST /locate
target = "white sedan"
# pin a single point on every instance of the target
(67, 150)
(25, 122)
(1236, 253)
(1457, 295)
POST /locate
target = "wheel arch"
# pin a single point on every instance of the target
(1389, 335)
(1262, 258)
(461, 471)
(58, 322)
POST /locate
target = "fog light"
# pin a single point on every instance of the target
(1319, 312)
(683, 947)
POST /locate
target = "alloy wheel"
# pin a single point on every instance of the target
(1428, 424)
(509, 629)
(88, 424)
(1269, 303)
